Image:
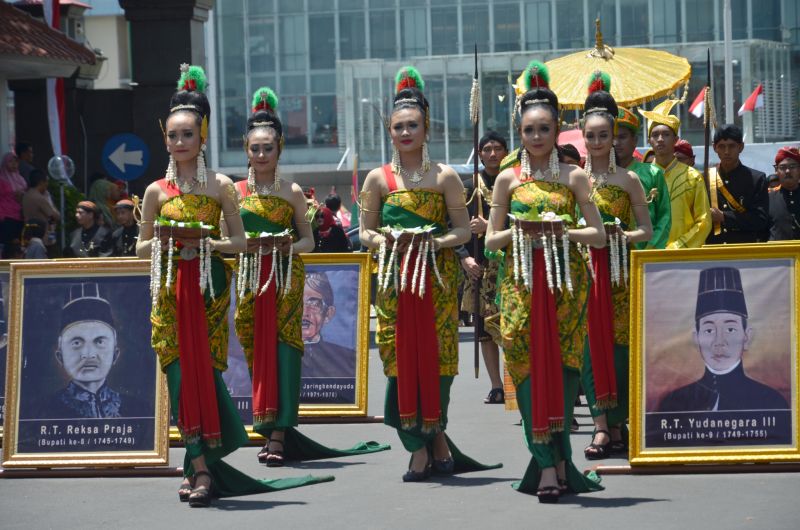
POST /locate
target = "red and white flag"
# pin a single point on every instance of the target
(755, 101)
(698, 106)
(55, 88)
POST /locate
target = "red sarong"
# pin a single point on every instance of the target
(600, 316)
(547, 383)
(417, 346)
(198, 416)
(265, 349)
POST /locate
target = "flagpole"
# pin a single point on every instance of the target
(475, 105)
(707, 125)
(727, 29)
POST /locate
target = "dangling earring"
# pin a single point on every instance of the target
(276, 180)
(426, 160)
(251, 178)
(395, 160)
(555, 169)
(525, 163)
(587, 167)
(172, 170)
(201, 166)
(612, 161)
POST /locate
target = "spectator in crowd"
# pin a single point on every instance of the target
(12, 186)
(90, 239)
(784, 202)
(570, 154)
(328, 235)
(25, 155)
(104, 194)
(38, 204)
(33, 235)
(684, 152)
(773, 182)
(334, 203)
(124, 238)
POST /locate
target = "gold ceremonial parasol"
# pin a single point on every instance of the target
(637, 75)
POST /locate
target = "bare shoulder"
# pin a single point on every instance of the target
(294, 187)
(446, 171)
(576, 174)
(223, 180)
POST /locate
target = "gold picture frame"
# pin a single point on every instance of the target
(124, 422)
(708, 387)
(350, 282)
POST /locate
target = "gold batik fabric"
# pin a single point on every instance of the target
(488, 292)
(268, 213)
(614, 202)
(412, 208)
(164, 339)
(515, 299)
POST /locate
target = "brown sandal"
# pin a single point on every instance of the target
(274, 456)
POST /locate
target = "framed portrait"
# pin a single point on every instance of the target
(4, 299)
(335, 330)
(714, 355)
(83, 384)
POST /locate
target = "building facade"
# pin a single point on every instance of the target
(332, 63)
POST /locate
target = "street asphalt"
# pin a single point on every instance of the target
(368, 491)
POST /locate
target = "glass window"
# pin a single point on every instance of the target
(235, 112)
(231, 55)
(323, 120)
(234, 7)
(259, 80)
(497, 102)
(352, 37)
(738, 19)
(290, 6)
(634, 21)
(666, 21)
(322, 83)
(316, 6)
(382, 35)
(293, 84)
(506, 27)
(699, 20)
(351, 4)
(254, 7)
(378, 4)
(569, 20)
(606, 10)
(475, 28)
(434, 92)
(458, 123)
(293, 116)
(293, 42)
(766, 24)
(322, 41)
(415, 32)
(537, 25)
(444, 30)
(261, 45)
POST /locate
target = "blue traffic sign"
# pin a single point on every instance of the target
(125, 157)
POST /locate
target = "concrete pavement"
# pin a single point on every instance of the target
(368, 492)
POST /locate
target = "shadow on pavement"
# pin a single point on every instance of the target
(245, 505)
(321, 464)
(600, 502)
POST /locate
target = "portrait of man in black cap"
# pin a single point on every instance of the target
(722, 336)
(86, 351)
(320, 357)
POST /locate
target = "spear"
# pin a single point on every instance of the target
(474, 115)
(707, 118)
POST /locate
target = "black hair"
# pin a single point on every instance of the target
(21, 147)
(412, 98)
(333, 202)
(492, 136)
(35, 228)
(197, 100)
(601, 103)
(728, 131)
(539, 97)
(265, 116)
(318, 281)
(12, 250)
(97, 175)
(570, 151)
(36, 177)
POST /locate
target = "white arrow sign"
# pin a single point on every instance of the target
(120, 157)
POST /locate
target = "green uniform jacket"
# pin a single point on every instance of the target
(652, 178)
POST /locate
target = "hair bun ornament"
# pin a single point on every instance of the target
(599, 81)
(536, 75)
(409, 77)
(264, 99)
(193, 78)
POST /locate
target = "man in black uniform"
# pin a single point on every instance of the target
(492, 149)
(784, 201)
(722, 336)
(89, 240)
(125, 237)
(739, 199)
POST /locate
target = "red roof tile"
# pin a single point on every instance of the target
(22, 36)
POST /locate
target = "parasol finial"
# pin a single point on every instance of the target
(598, 35)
